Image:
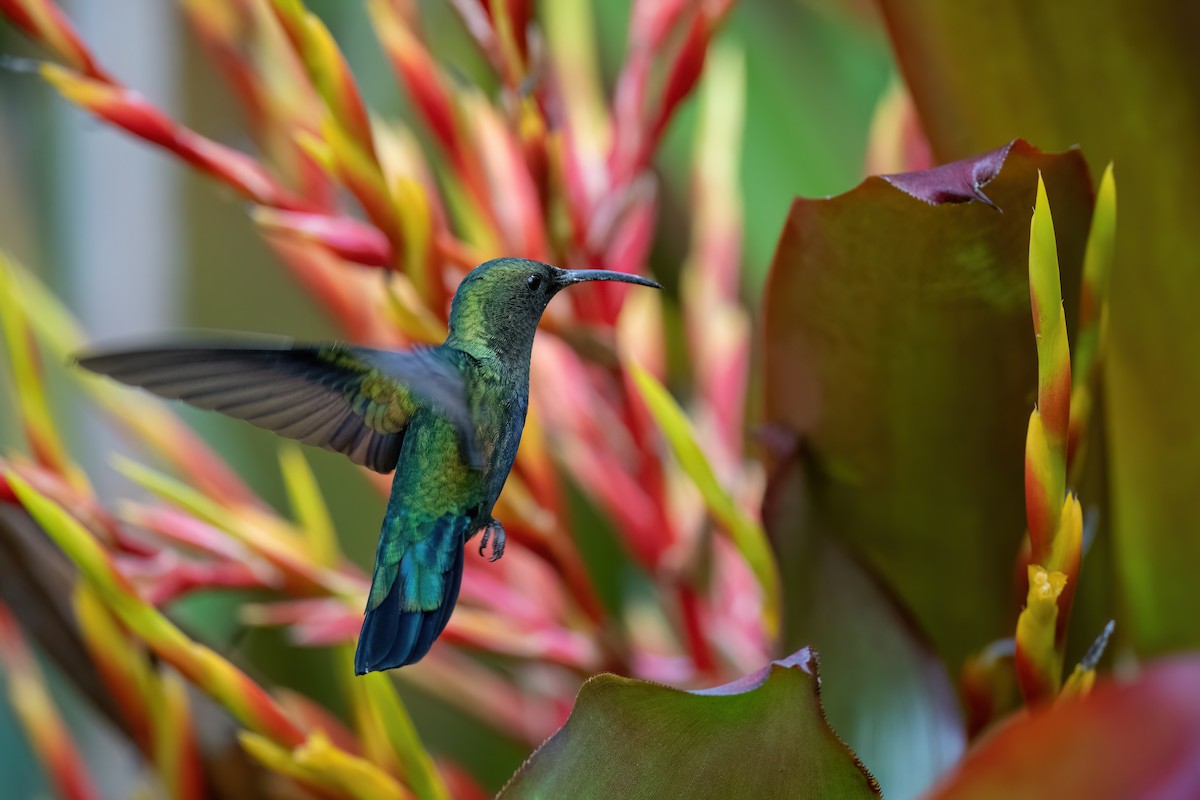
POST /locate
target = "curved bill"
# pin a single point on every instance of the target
(568, 277)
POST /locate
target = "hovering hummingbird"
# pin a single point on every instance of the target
(447, 419)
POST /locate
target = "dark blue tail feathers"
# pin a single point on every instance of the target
(391, 637)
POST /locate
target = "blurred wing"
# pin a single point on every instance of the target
(354, 400)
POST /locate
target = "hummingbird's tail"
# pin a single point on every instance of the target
(393, 637)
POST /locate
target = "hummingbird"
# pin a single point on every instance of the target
(447, 419)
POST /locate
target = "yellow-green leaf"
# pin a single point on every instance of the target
(317, 762)
(746, 533)
(312, 515)
(419, 769)
(27, 379)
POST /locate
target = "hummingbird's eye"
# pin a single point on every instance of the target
(534, 282)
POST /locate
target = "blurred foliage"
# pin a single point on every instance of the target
(1056, 73)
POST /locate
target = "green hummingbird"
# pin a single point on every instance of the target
(447, 419)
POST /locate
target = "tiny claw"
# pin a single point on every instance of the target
(498, 544)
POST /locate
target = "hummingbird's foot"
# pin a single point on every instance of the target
(493, 527)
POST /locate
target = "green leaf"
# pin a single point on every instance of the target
(884, 690)
(28, 385)
(419, 770)
(747, 535)
(1121, 83)
(308, 505)
(763, 736)
(898, 357)
(1136, 739)
(1097, 271)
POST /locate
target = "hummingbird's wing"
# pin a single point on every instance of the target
(353, 400)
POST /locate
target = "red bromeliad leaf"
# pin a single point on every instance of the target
(762, 736)
(898, 350)
(1122, 85)
(1140, 739)
(956, 182)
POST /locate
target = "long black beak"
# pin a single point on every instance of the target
(567, 277)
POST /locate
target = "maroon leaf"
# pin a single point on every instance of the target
(1120, 81)
(898, 350)
(1140, 739)
(956, 182)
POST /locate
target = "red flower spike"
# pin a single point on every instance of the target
(511, 190)
(1135, 738)
(694, 627)
(122, 665)
(1038, 661)
(348, 238)
(276, 106)
(327, 69)
(685, 73)
(7, 495)
(567, 173)
(219, 33)
(476, 18)
(419, 74)
(129, 110)
(521, 14)
(627, 252)
(82, 504)
(511, 19)
(501, 37)
(1042, 506)
(359, 172)
(181, 578)
(46, 23)
(185, 531)
(323, 275)
(649, 28)
(49, 736)
(495, 633)
(313, 717)
(988, 684)
(624, 498)
(193, 457)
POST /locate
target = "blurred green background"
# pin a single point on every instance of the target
(137, 245)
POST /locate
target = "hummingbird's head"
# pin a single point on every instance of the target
(499, 303)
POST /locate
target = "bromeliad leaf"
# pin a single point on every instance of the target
(762, 736)
(1151, 380)
(1134, 739)
(882, 353)
(353, 400)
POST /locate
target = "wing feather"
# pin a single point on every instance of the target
(353, 400)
